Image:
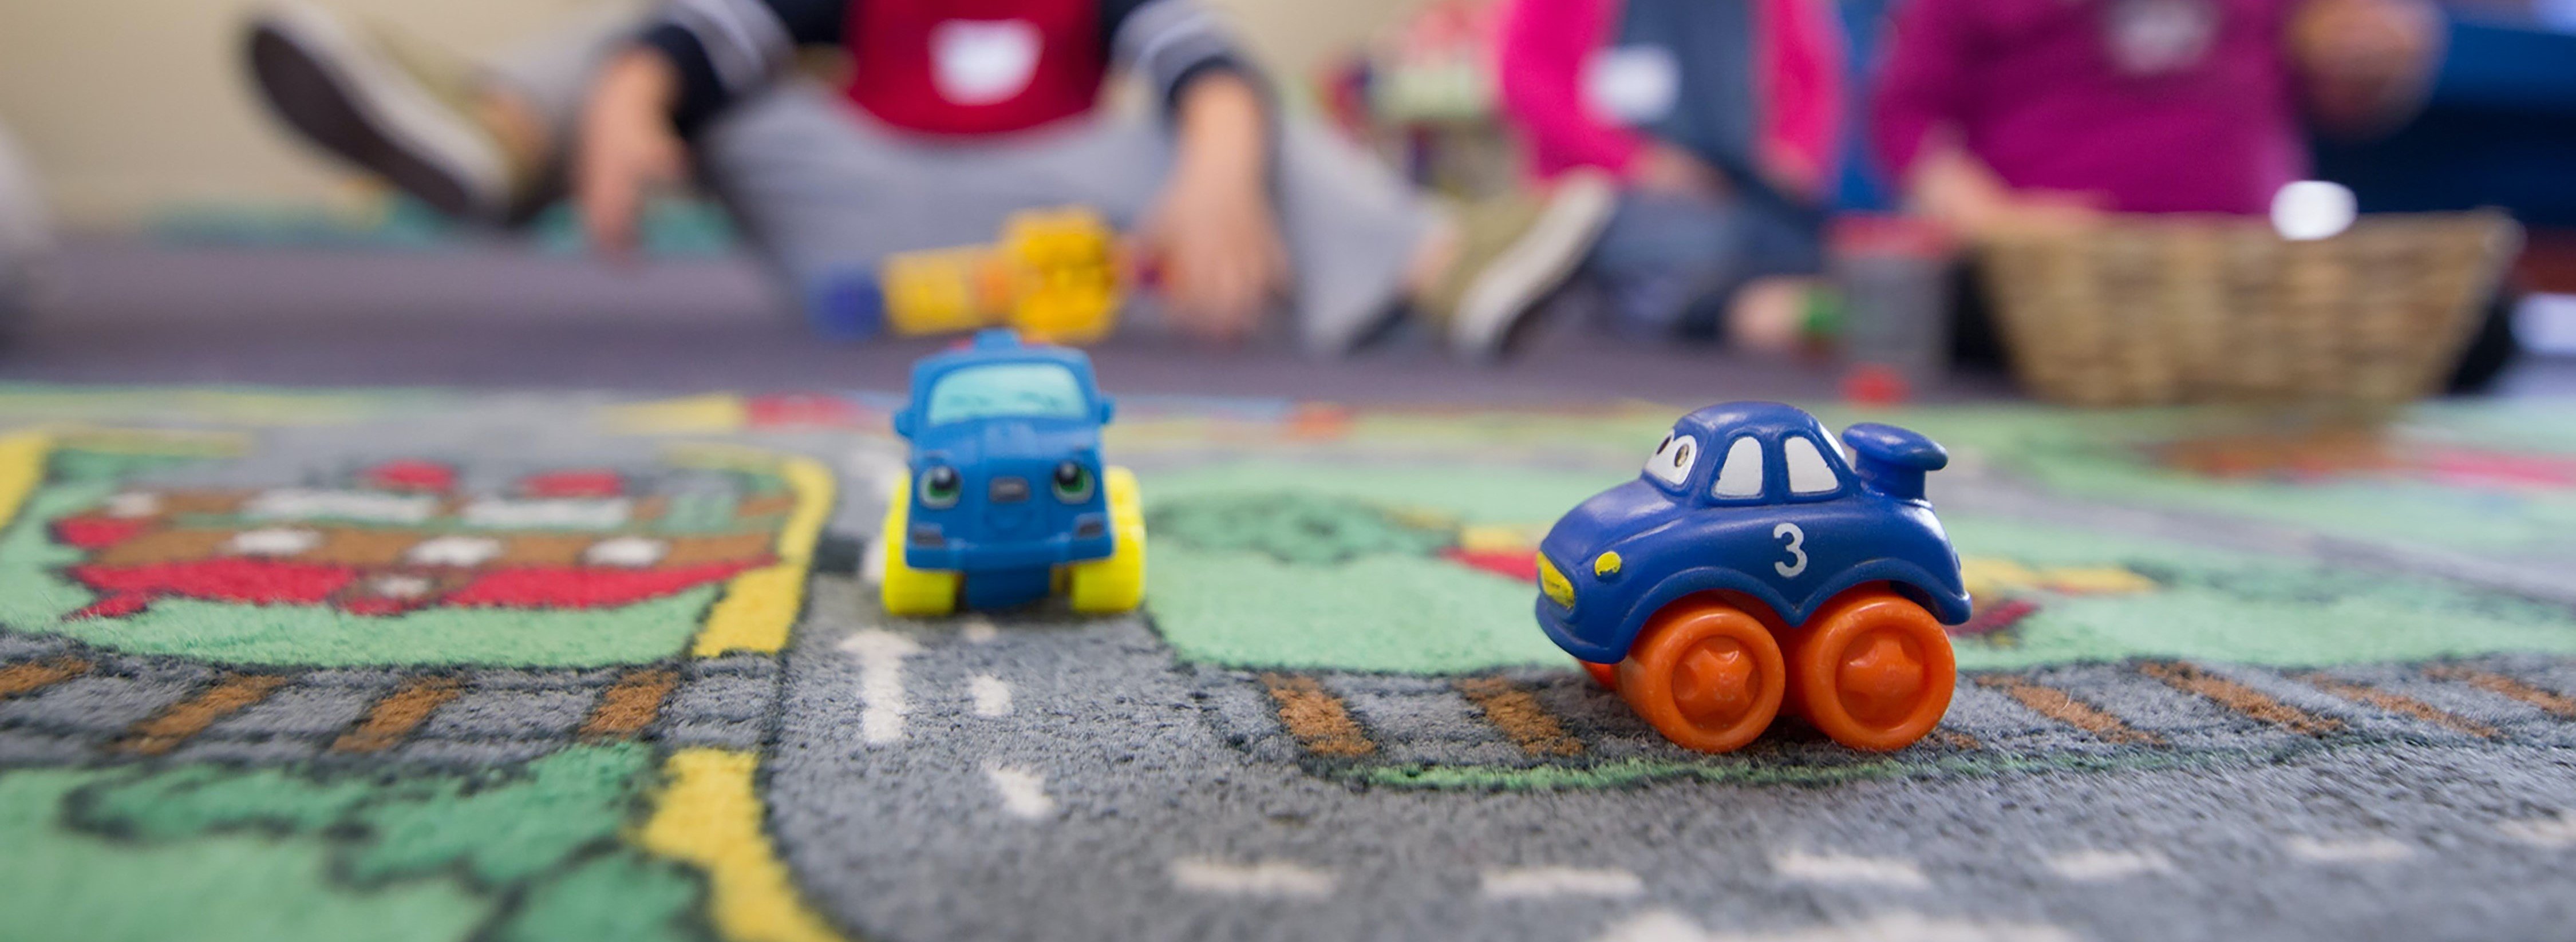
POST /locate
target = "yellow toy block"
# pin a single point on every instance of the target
(1055, 275)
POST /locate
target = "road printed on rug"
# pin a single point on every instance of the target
(403, 628)
(411, 686)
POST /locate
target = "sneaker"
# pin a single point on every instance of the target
(404, 115)
(1516, 254)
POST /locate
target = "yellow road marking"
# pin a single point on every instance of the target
(710, 414)
(759, 606)
(709, 814)
(22, 468)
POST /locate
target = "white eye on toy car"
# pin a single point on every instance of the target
(1671, 462)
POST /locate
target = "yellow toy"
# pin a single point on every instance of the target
(1054, 276)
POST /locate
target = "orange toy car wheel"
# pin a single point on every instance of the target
(1607, 675)
(1705, 674)
(1872, 670)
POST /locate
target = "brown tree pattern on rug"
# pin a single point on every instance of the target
(395, 716)
(177, 722)
(2399, 704)
(2241, 698)
(1317, 718)
(2063, 707)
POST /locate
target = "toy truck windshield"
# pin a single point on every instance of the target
(1011, 390)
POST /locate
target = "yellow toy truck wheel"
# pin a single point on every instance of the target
(1115, 583)
(909, 592)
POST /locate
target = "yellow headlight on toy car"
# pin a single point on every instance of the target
(1553, 583)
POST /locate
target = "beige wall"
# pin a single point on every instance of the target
(125, 106)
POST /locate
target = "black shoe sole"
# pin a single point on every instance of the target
(309, 96)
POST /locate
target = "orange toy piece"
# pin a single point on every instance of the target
(1607, 675)
(1705, 674)
(1055, 275)
(1871, 670)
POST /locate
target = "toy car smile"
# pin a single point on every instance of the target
(1005, 501)
(1748, 568)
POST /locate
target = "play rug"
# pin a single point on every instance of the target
(416, 665)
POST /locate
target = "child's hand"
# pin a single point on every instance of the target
(627, 148)
(1667, 170)
(1959, 191)
(1213, 232)
(1219, 253)
(2365, 61)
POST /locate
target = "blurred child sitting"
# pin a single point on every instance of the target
(2041, 115)
(1718, 118)
(1997, 114)
(953, 115)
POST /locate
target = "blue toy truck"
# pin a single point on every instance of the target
(1005, 501)
(1749, 567)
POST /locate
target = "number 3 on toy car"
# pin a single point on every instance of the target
(1797, 553)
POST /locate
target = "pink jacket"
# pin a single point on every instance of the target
(1797, 61)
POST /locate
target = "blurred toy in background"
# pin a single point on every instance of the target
(1889, 279)
(1006, 501)
(1748, 569)
(1438, 65)
(1422, 93)
(1054, 276)
(23, 236)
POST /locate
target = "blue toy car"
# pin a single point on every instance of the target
(1006, 501)
(1748, 567)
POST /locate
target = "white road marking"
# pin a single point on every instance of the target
(881, 710)
(1830, 868)
(992, 696)
(2092, 865)
(2360, 850)
(1542, 882)
(1268, 878)
(873, 471)
(872, 562)
(1664, 925)
(1023, 792)
(2542, 832)
(979, 630)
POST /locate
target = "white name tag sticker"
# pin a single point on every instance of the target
(979, 62)
(1632, 85)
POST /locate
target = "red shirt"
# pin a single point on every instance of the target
(975, 66)
(950, 67)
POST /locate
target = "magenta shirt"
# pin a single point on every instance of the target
(2034, 88)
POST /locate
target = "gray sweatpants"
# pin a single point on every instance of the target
(825, 192)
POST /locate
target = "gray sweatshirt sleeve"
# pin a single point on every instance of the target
(725, 49)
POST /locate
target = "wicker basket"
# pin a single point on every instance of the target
(2200, 309)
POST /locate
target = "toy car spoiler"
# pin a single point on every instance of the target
(1893, 461)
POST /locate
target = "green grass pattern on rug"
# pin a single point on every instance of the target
(214, 853)
(2101, 455)
(1374, 603)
